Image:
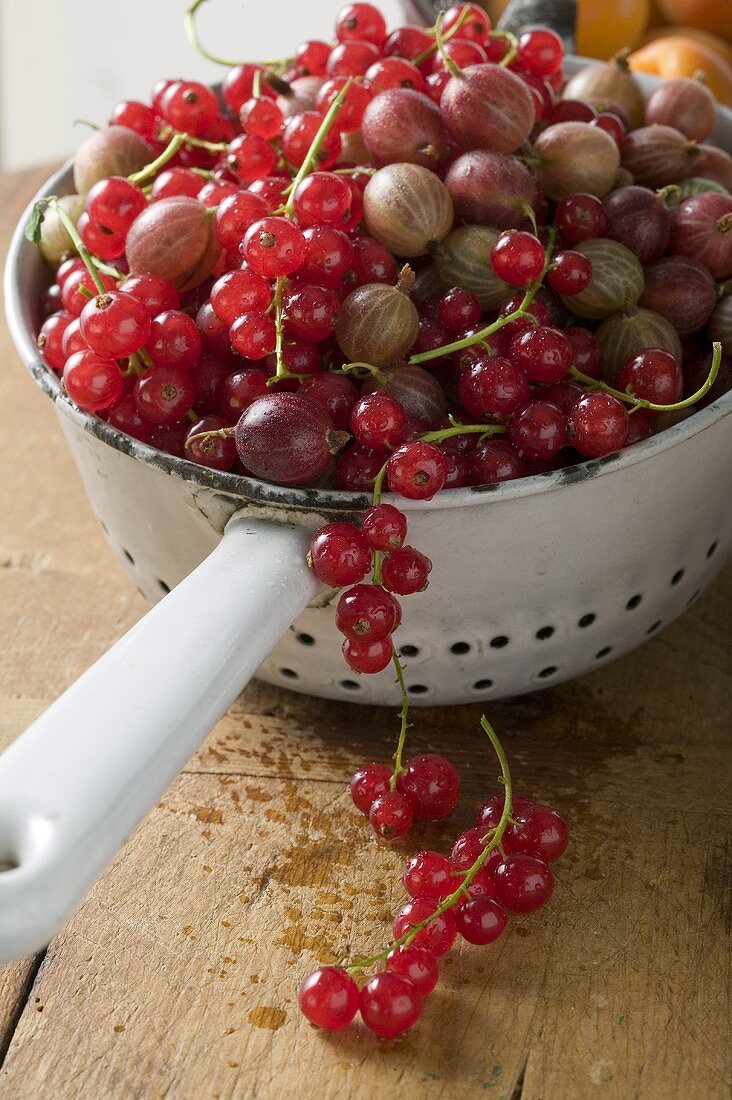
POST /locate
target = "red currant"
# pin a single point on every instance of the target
(253, 334)
(384, 527)
(368, 657)
(250, 158)
(523, 883)
(215, 451)
(430, 875)
(339, 554)
(416, 470)
(405, 570)
(495, 460)
(598, 425)
(580, 217)
(390, 1003)
(164, 394)
(653, 375)
(155, 293)
(368, 783)
(540, 831)
(490, 812)
(92, 382)
(431, 784)
(438, 936)
(336, 394)
(517, 257)
(417, 964)
(492, 386)
(391, 815)
(570, 273)
(239, 292)
(480, 920)
(273, 246)
(362, 22)
(235, 214)
(539, 430)
(328, 998)
(367, 612)
(115, 324)
(540, 51)
(174, 340)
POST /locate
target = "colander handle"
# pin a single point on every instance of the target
(78, 781)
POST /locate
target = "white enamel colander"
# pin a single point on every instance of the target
(534, 582)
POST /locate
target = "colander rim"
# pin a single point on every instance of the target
(23, 269)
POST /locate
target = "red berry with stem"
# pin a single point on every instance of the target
(438, 936)
(429, 874)
(164, 394)
(115, 324)
(405, 570)
(384, 527)
(328, 998)
(366, 612)
(539, 430)
(298, 135)
(250, 158)
(175, 181)
(273, 246)
(480, 920)
(136, 116)
(155, 293)
(517, 257)
(351, 58)
(78, 287)
(431, 784)
(490, 812)
(362, 22)
(417, 964)
(492, 386)
(409, 42)
(357, 468)
(218, 452)
(653, 375)
(301, 358)
(416, 470)
(339, 554)
(598, 425)
(580, 217)
(311, 57)
(328, 256)
(238, 85)
(523, 883)
(540, 51)
(50, 339)
(459, 309)
(474, 22)
(391, 815)
(310, 313)
(114, 203)
(540, 831)
(71, 340)
(174, 340)
(495, 460)
(235, 214)
(372, 262)
(368, 657)
(352, 107)
(261, 117)
(570, 273)
(390, 1004)
(368, 783)
(587, 355)
(91, 381)
(334, 393)
(379, 421)
(253, 334)
(322, 198)
(238, 292)
(545, 354)
(394, 72)
(189, 106)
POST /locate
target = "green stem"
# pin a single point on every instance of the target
(281, 371)
(513, 43)
(379, 484)
(403, 714)
(192, 32)
(447, 61)
(160, 161)
(445, 37)
(462, 429)
(496, 326)
(639, 403)
(167, 132)
(289, 208)
(91, 264)
(496, 836)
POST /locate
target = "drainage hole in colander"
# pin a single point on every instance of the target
(499, 641)
(482, 685)
(409, 650)
(633, 603)
(544, 632)
(417, 689)
(289, 673)
(305, 639)
(678, 576)
(164, 588)
(693, 596)
(712, 549)
(459, 648)
(350, 685)
(604, 652)
(128, 555)
(547, 672)
(654, 628)
(587, 620)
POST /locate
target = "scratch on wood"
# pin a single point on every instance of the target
(519, 1086)
(6, 1035)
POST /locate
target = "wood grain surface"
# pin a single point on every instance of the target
(178, 976)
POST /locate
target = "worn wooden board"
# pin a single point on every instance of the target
(178, 976)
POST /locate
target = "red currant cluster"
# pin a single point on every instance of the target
(500, 866)
(426, 788)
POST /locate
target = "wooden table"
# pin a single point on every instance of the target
(178, 976)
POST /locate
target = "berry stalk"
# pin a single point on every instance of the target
(501, 322)
(93, 266)
(640, 403)
(462, 890)
(443, 37)
(288, 210)
(194, 39)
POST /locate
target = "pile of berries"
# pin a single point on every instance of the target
(224, 251)
(500, 866)
(426, 788)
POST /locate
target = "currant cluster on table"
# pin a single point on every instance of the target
(514, 878)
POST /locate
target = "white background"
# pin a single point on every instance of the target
(67, 59)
